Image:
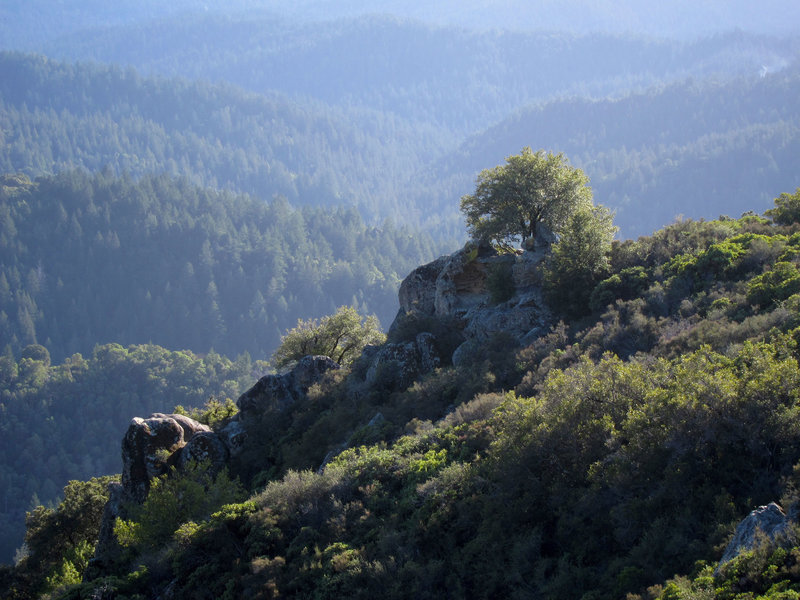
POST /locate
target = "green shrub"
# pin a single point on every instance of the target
(787, 209)
(774, 286)
(500, 282)
(178, 497)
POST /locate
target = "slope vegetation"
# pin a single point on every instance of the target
(613, 452)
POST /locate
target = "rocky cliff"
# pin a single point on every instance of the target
(481, 292)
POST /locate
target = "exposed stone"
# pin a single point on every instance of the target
(204, 446)
(189, 425)
(277, 392)
(764, 523)
(418, 290)
(233, 436)
(456, 288)
(310, 370)
(406, 361)
(107, 549)
(147, 452)
(429, 358)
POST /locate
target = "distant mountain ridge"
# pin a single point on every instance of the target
(737, 138)
(692, 148)
(31, 22)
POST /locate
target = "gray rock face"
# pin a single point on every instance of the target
(204, 446)
(189, 425)
(151, 446)
(406, 361)
(277, 392)
(768, 522)
(146, 449)
(107, 549)
(457, 287)
(233, 436)
(418, 290)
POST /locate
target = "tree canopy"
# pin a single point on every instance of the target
(340, 336)
(532, 187)
(579, 260)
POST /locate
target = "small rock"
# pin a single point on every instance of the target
(769, 521)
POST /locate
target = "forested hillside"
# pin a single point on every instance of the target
(609, 455)
(90, 259)
(182, 182)
(57, 116)
(651, 155)
(692, 149)
(62, 422)
(460, 80)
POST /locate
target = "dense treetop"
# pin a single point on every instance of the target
(532, 188)
(340, 336)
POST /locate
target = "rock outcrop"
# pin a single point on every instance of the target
(766, 523)
(152, 445)
(406, 361)
(277, 392)
(478, 290)
(149, 448)
(462, 288)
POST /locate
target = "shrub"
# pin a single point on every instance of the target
(787, 209)
(174, 499)
(500, 282)
(774, 286)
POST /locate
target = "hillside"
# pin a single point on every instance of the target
(459, 80)
(58, 116)
(611, 453)
(90, 259)
(694, 149)
(673, 145)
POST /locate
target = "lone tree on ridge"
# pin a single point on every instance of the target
(531, 188)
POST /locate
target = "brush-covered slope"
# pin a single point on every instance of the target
(608, 455)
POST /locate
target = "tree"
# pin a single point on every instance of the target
(341, 336)
(532, 187)
(579, 260)
(787, 209)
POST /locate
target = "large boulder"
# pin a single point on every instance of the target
(766, 523)
(150, 447)
(278, 392)
(233, 435)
